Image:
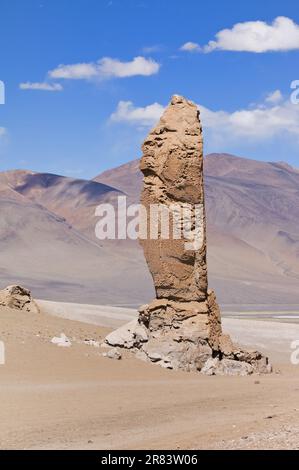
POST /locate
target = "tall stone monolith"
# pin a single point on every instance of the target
(172, 165)
(181, 327)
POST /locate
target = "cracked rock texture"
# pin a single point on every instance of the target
(181, 328)
(172, 165)
(19, 298)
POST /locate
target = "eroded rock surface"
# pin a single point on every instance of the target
(172, 165)
(19, 298)
(181, 328)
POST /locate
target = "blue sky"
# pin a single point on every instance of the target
(81, 120)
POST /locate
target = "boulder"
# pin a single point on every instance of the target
(128, 336)
(113, 354)
(18, 298)
(215, 366)
(61, 341)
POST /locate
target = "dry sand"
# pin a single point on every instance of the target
(74, 398)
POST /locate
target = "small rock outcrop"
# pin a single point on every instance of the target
(61, 341)
(113, 354)
(181, 328)
(18, 298)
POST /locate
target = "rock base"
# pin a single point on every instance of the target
(186, 336)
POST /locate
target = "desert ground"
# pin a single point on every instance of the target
(75, 398)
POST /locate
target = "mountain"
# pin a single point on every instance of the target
(43, 251)
(48, 243)
(73, 199)
(127, 178)
(253, 221)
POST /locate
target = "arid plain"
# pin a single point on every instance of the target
(73, 397)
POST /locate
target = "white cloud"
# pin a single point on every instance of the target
(74, 71)
(41, 86)
(138, 66)
(255, 124)
(274, 97)
(152, 49)
(106, 68)
(143, 116)
(260, 123)
(2, 131)
(258, 36)
(190, 47)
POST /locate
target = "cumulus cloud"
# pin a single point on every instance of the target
(43, 86)
(260, 123)
(74, 71)
(256, 124)
(190, 47)
(274, 97)
(258, 36)
(142, 116)
(106, 68)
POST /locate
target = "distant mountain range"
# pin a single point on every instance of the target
(47, 239)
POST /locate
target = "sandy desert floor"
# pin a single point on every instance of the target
(74, 398)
